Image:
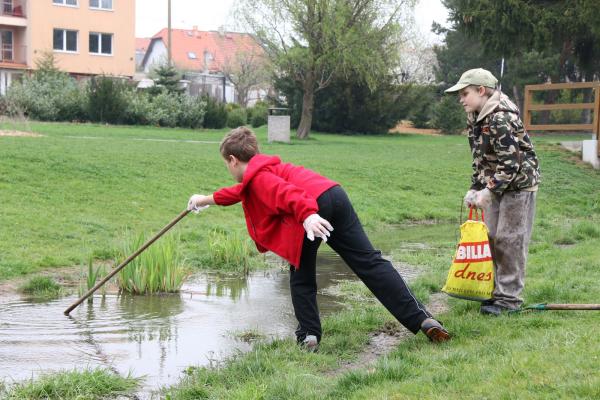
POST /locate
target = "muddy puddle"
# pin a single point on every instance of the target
(157, 337)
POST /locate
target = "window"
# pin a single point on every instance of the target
(65, 2)
(6, 41)
(192, 55)
(101, 43)
(7, 7)
(65, 40)
(103, 4)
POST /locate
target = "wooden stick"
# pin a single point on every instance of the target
(572, 306)
(127, 261)
(544, 306)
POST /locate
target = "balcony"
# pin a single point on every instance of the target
(12, 13)
(12, 8)
(12, 54)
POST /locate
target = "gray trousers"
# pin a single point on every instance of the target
(510, 221)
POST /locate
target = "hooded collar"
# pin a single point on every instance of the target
(257, 163)
(490, 105)
(497, 102)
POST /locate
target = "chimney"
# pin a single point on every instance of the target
(195, 31)
(221, 31)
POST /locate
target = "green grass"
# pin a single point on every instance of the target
(91, 384)
(249, 336)
(159, 269)
(414, 184)
(88, 280)
(97, 187)
(41, 287)
(231, 251)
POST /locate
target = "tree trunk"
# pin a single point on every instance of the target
(517, 98)
(588, 95)
(242, 99)
(586, 115)
(550, 97)
(308, 102)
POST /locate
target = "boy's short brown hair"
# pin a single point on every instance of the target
(488, 90)
(241, 143)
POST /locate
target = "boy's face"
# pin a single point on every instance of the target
(472, 98)
(236, 168)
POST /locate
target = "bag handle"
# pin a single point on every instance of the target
(476, 214)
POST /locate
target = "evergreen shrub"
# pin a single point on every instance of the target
(106, 99)
(215, 116)
(448, 116)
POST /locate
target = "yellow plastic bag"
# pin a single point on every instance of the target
(471, 274)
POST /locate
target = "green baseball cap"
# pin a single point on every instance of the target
(477, 77)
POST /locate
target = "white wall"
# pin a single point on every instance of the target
(5, 80)
(157, 55)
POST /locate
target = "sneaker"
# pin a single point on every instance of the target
(434, 331)
(490, 309)
(497, 309)
(310, 343)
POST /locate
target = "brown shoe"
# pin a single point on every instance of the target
(434, 331)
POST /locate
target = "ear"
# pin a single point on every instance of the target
(233, 159)
(481, 90)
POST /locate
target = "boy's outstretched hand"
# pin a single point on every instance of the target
(314, 225)
(199, 202)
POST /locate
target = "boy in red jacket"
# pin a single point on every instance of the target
(289, 210)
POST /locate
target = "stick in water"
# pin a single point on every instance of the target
(127, 261)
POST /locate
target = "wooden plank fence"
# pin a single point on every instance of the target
(594, 127)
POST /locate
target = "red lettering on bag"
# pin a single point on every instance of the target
(482, 276)
(473, 252)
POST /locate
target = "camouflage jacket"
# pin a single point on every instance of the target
(503, 156)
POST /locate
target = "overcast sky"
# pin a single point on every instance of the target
(151, 15)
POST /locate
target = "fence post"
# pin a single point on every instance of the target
(526, 103)
(597, 117)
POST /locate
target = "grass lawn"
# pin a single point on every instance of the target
(74, 191)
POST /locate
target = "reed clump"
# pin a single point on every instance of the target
(230, 251)
(88, 280)
(159, 269)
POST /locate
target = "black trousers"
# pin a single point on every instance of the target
(349, 240)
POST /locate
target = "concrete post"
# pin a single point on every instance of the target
(278, 126)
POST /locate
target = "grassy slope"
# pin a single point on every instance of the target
(63, 197)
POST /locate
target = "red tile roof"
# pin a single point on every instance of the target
(142, 44)
(222, 46)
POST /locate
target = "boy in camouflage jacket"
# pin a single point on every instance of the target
(504, 183)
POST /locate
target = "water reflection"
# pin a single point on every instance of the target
(232, 286)
(156, 336)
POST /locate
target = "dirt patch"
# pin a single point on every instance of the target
(573, 146)
(407, 127)
(18, 133)
(67, 277)
(419, 222)
(387, 339)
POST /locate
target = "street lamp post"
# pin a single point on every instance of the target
(169, 35)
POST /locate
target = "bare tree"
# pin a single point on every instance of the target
(248, 70)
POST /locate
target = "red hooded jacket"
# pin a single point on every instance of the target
(276, 198)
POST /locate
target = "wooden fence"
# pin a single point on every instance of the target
(594, 127)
